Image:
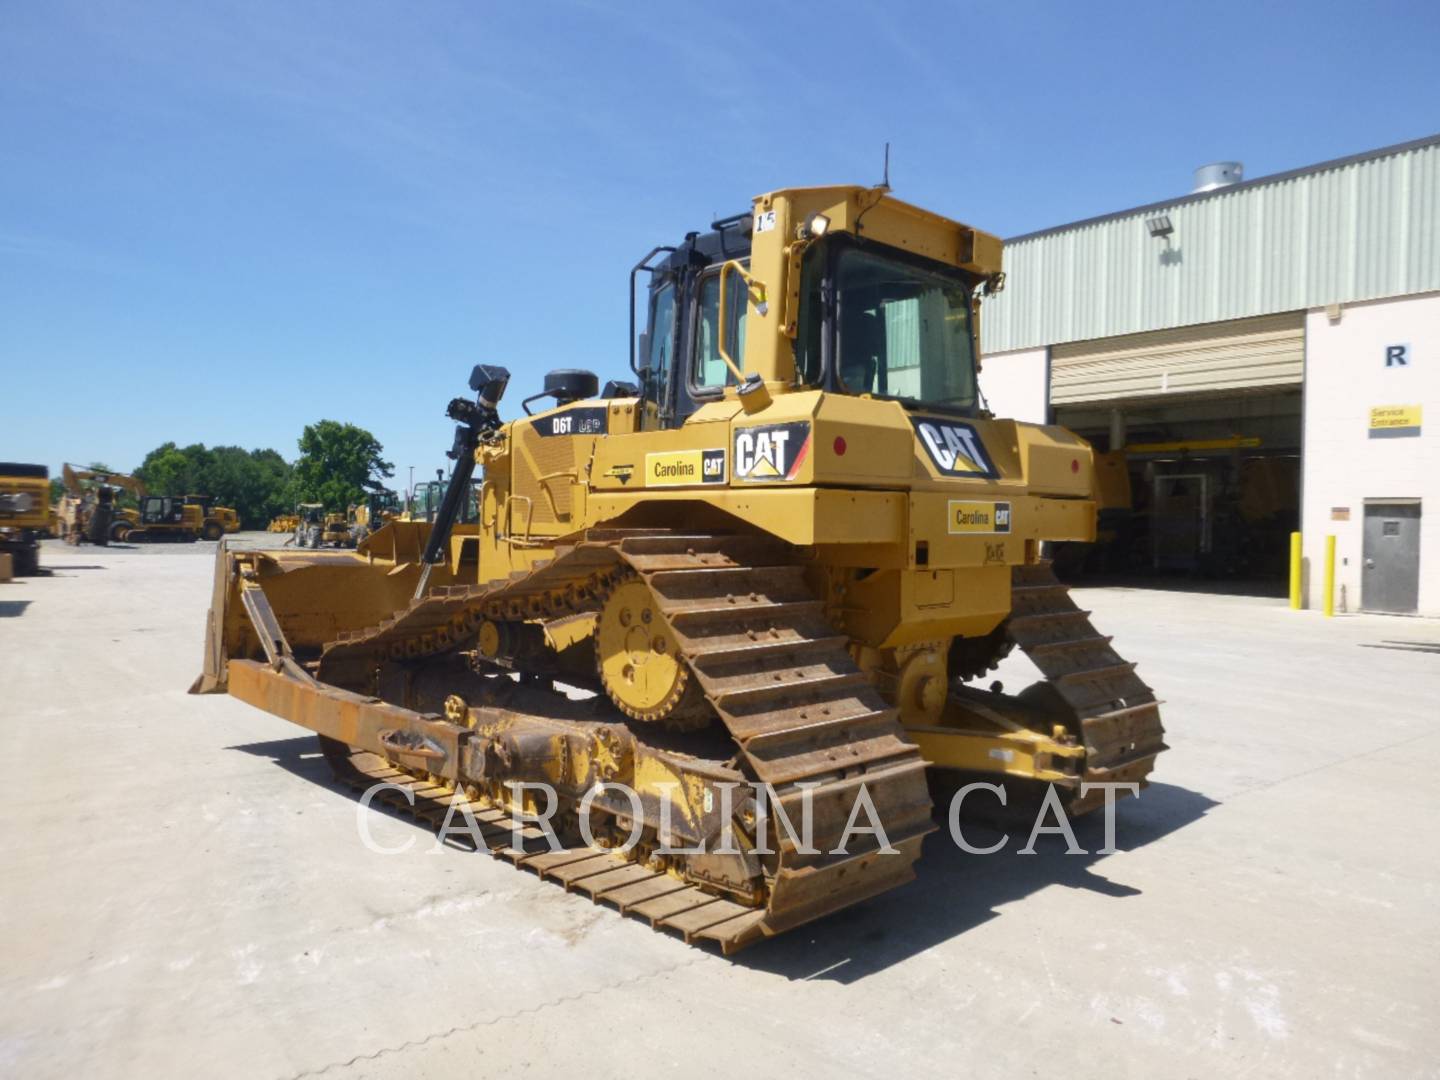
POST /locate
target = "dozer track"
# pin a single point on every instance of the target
(608, 877)
(804, 718)
(1096, 693)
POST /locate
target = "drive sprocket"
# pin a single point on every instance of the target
(640, 663)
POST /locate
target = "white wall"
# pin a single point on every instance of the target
(1016, 385)
(1345, 377)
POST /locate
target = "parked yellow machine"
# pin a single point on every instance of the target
(90, 510)
(174, 518)
(309, 525)
(155, 518)
(315, 527)
(424, 501)
(776, 561)
(212, 515)
(336, 531)
(24, 514)
(371, 514)
(283, 523)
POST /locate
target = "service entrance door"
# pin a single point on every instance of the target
(1391, 578)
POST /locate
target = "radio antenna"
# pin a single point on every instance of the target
(877, 192)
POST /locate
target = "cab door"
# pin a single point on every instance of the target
(659, 347)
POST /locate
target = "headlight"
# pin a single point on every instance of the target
(816, 227)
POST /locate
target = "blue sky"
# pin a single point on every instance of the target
(221, 221)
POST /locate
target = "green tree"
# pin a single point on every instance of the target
(273, 475)
(253, 482)
(338, 463)
(166, 470)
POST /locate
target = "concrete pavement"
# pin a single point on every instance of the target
(184, 892)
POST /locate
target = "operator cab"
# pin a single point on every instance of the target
(874, 321)
(382, 502)
(425, 499)
(162, 510)
(684, 314)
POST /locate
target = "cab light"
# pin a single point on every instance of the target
(815, 227)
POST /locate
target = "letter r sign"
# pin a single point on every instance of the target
(1397, 355)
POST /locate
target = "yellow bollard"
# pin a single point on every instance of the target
(1295, 571)
(1329, 577)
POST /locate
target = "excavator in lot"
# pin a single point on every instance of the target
(761, 584)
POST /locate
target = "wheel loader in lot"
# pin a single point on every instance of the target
(370, 514)
(309, 524)
(770, 569)
(336, 532)
(317, 528)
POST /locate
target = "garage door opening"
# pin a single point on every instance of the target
(1200, 491)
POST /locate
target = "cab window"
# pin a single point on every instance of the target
(904, 332)
(710, 372)
(660, 345)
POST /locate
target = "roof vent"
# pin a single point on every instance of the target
(1217, 175)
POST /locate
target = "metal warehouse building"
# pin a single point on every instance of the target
(1254, 357)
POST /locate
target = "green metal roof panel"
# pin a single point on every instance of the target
(1360, 228)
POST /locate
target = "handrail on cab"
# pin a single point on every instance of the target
(750, 388)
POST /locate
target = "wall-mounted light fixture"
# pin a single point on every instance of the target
(1159, 226)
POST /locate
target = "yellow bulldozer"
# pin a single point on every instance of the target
(24, 514)
(768, 572)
